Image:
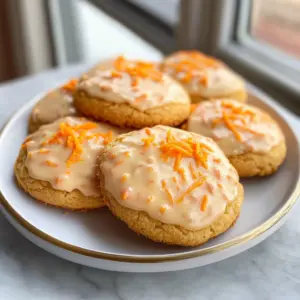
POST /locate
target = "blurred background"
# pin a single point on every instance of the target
(258, 38)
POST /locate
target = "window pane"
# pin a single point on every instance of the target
(277, 22)
(165, 10)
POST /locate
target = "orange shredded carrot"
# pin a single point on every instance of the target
(177, 162)
(193, 64)
(44, 151)
(210, 188)
(249, 130)
(70, 86)
(194, 176)
(86, 126)
(193, 186)
(204, 203)
(51, 163)
(231, 127)
(182, 174)
(148, 141)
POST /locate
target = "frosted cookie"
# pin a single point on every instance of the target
(56, 164)
(170, 185)
(55, 105)
(133, 94)
(100, 66)
(204, 77)
(249, 137)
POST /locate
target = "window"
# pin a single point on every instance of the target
(246, 35)
(165, 10)
(277, 23)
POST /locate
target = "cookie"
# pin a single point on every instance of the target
(132, 94)
(100, 66)
(249, 137)
(56, 164)
(170, 185)
(53, 106)
(204, 77)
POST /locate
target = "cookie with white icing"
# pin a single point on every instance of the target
(56, 164)
(56, 104)
(204, 77)
(170, 185)
(249, 137)
(132, 94)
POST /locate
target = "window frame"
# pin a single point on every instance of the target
(224, 36)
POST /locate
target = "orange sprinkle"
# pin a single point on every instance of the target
(70, 86)
(150, 199)
(125, 194)
(112, 156)
(204, 202)
(124, 177)
(127, 154)
(217, 160)
(68, 172)
(141, 98)
(58, 180)
(134, 82)
(148, 131)
(44, 151)
(193, 107)
(193, 186)
(220, 185)
(86, 126)
(51, 163)
(105, 88)
(217, 174)
(115, 74)
(174, 179)
(163, 183)
(118, 163)
(162, 209)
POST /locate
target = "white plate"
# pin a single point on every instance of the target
(97, 239)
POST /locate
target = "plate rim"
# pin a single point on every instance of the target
(250, 235)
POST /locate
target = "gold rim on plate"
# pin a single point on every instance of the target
(159, 258)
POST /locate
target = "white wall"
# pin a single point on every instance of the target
(101, 36)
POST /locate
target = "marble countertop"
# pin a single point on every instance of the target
(270, 270)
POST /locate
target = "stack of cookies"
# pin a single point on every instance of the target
(126, 136)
